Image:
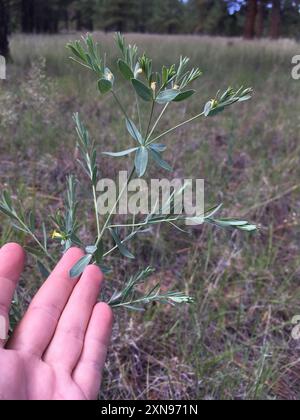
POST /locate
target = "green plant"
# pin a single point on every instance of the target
(158, 90)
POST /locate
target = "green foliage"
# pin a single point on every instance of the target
(88, 55)
(131, 298)
(230, 97)
(227, 272)
(66, 224)
(159, 90)
(142, 90)
(167, 16)
(210, 17)
(120, 15)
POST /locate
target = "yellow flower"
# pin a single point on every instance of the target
(56, 235)
(140, 71)
(214, 103)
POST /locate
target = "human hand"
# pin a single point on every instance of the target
(58, 350)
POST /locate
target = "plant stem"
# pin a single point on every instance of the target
(133, 233)
(147, 223)
(138, 111)
(114, 208)
(150, 119)
(157, 121)
(96, 211)
(42, 247)
(36, 240)
(120, 104)
(175, 128)
(144, 300)
(136, 302)
(123, 110)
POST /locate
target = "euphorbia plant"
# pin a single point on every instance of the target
(158, 90)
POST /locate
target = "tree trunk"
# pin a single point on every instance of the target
(259, 28)
(4, 28)
(275, 19)
(66, 19)
(78, 21)
(250, 19)
(27, 12)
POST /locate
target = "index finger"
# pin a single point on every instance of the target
(12, 259)
(37, 328)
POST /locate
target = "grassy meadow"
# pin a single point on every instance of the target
(235, 341)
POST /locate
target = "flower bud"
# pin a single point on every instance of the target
(153, 86)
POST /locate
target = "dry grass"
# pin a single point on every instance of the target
(235, 342)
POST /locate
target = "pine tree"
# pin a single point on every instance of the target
(120, 15)
(209, 16)
(249, 31)
(216, 18)
(167, 16)
(145, 13)
(84, 14)
(275, 19)
(291, 19)
(260, 20)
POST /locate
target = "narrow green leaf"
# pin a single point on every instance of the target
(134, 132)
(7, 212)
(184, 96)
(126, 71)
(167, 95)
(123, 250)
(248, 228)
(7, 198)
(165, 74)
(45, 236)
(209, 111)
(211, 212)
(121, 154)
(233, 223)
(20, 228)
(133, 308)
(159, 148)
(98, 255)
(31, 221)
(141, 161)
(245, 98)
(79, 268)
(76, 52)
(38, 253)
(142, 90)
(104, 86)
(160, 162)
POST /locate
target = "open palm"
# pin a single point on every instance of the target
(58, 350)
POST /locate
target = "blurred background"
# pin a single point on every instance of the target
(235, 342)
(252, 18)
